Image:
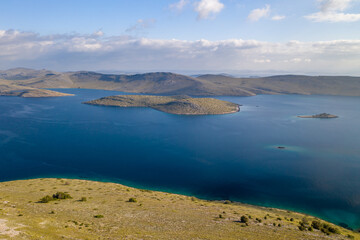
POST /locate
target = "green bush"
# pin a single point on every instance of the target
(46, 199)
(61, 195)
(98, 216)
(333, 230)
(132, 200)
(316, 225)
(302, 228)
(244, 219)
(83, 199)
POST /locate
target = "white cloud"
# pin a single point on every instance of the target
(333, 11)
(334, 5)
(179, 6)
(333, 17)
(262, 61)
(278, 17)
(208, 8)
(257, 14)
(91, 52)
(141, 25)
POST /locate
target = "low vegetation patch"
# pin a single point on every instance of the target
(132, 200)
(56, 196)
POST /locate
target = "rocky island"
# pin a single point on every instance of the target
(321, 115)
(182, 105)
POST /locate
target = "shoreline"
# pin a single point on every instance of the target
(184, 194)
(96, 209)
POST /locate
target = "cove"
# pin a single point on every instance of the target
(213, 157)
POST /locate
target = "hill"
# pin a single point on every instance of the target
(78, 209)
(166, 83)
(183, 105)
(9, 89)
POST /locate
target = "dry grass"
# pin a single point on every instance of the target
(154, 215)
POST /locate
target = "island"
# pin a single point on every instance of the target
(28, 92)
(181, 105)
(80, 209)
(321, 115)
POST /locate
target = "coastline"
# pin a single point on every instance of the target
(140, 187)
(179, 216)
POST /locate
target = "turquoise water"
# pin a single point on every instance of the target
(214, 157)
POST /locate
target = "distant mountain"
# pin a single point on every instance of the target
(167, 83)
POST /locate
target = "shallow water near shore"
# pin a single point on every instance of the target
(232, 156)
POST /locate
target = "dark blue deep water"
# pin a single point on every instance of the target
(214, 157)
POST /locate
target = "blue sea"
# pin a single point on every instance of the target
(231, 156)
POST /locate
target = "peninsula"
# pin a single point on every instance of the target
(321, 115)
(27, 92)
(79, 209)
(182, 105)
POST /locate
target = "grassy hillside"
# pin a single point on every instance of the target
(176, 84)
(171, 104)
(112, 211)
(9, 89)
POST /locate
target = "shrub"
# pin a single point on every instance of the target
(325, 225)
(316, 225)
(46, 199)
(291, 219)
(227, 202)
(83, 199)
(98, 216)
(132, 200)
(61, 195)
(333, 230)
(305, 221)
(244, 219)
(302, 228)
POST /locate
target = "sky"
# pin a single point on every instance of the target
(240, 37)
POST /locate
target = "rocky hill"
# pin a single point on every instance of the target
(177, 84)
